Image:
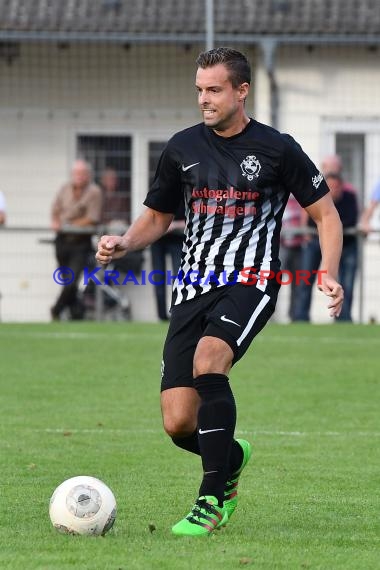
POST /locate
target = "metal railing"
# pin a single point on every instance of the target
(48, 237)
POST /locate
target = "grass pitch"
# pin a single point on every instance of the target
(83, 398)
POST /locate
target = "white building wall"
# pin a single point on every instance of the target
(321, 92)
(49, 95)
(35, 159)
(327, 82)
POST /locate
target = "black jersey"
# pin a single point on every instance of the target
(235, 191)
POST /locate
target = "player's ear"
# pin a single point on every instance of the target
(243, 91)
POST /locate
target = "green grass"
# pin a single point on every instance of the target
(83, 398)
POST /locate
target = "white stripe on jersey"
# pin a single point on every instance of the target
(265, 266)
(252, 320)
(230, 254)
(243, 182)
(191, 262)
(229, 257)
(250, 253)
(178, 286)
(196, 253)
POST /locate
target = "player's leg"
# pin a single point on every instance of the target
(216, 418)
(214, 357)
(223, 457)
(179, 398)
(233, 323)
(179, 407)
(217, 413)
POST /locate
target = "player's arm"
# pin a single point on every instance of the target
(329, 226)
(148, 228)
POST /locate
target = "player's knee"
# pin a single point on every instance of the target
(212, 355)
(178, 426)
(208, 364)
(203, 366)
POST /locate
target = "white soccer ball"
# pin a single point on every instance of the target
(83, 505)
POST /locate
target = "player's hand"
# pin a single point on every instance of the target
(334, 290)
(110, 247)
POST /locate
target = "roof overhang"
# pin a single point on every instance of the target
(187, 38)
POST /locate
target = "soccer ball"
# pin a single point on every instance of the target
(83, 505)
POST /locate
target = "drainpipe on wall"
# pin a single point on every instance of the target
(268, 49)
(209, 8)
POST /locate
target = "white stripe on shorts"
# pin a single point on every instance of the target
(253, 318)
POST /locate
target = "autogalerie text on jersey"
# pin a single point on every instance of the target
(246, 276)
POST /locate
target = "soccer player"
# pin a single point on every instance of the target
(235, 175)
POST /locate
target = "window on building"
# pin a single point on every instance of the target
(110, 152)
(155, 150)
(350, 146)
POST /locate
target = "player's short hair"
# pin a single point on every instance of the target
(236, 63)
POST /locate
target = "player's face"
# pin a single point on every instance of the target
(220, 103)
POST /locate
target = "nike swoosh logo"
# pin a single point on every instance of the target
(184, 168)
(202, 431)
(224, 318)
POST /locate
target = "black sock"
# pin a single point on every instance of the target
(236, 457)
(216, 425)
(191, 443)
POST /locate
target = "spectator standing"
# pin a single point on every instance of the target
(346, 203)
(115, 203)
(75, 211)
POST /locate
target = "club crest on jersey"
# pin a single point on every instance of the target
(250, 167)
(317, 179)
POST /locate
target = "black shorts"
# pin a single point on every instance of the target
(235, 314)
